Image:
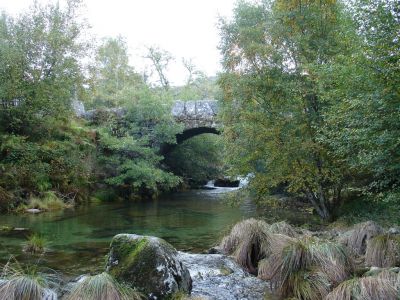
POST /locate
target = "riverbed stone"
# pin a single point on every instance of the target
(218, 277)
(149, 264)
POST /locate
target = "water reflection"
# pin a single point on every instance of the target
(192, 220)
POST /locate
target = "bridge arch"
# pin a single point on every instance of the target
(185, 135)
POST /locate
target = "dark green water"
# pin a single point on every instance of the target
(79, 238)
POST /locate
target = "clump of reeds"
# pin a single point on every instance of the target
(248, 242)
(283, 228)
(35, 244)
(364, 288)
(306, 268)
(102, 287)
(356, 239)
(24, 283)
(383, 251)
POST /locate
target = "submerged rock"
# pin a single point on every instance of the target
(218, 277)
(33, 211)
(149, 264)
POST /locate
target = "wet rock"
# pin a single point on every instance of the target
(149, 264)
(218, 277)
(33, 211)
(215, 250)
(14, 231)
(394, 230)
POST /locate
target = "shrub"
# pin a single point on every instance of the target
(5, 199)
(102, 287)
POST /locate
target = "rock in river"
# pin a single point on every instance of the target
(218, 277)
(149, 264)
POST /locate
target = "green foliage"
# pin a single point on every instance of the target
(111, 74)
(39, 67)
(41, 148)
(197, 159)
(273, 110)
(311, 97)
(129, 145)
(198, 88)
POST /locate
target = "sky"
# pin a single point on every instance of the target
(185, 28)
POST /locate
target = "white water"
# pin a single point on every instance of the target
(243, 182)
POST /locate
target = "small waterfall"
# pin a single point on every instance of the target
(243, 182)
(210, 185)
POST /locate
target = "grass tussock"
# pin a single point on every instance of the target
(102, 287)
(283, 228)
(306, 268)
(23, 283)
(35, 244)
(364, 288)
(356, 239)
(249, 241)
(383, 251)
(49, 202)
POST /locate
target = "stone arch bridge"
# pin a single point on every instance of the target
(197, 116)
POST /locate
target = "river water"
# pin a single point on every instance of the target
(78, 238)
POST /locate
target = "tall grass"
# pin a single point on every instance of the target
(283, 228)
(383, 251)
(24, 283)
(102, 287)
(356, 239)
(249, 241)
(35, 244)
(48, 202)
(364, 288)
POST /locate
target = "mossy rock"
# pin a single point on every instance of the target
(149, 264)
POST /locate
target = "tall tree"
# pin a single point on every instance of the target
(160, 59)
(273, 55)
(39, 65)
(111, 73)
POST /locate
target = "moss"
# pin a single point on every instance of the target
(131, 249)
(225, 271)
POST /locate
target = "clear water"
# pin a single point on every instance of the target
(79, 238)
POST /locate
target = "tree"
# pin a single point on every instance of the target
(39, 66)
(111, 73)
(160, 60)
(41, 147)
(274, 53)
(364, 128)
(129, 146)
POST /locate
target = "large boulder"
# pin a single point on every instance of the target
(149, 264)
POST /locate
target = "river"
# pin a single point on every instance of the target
(78, 238)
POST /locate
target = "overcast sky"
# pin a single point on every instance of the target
(185, 28)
